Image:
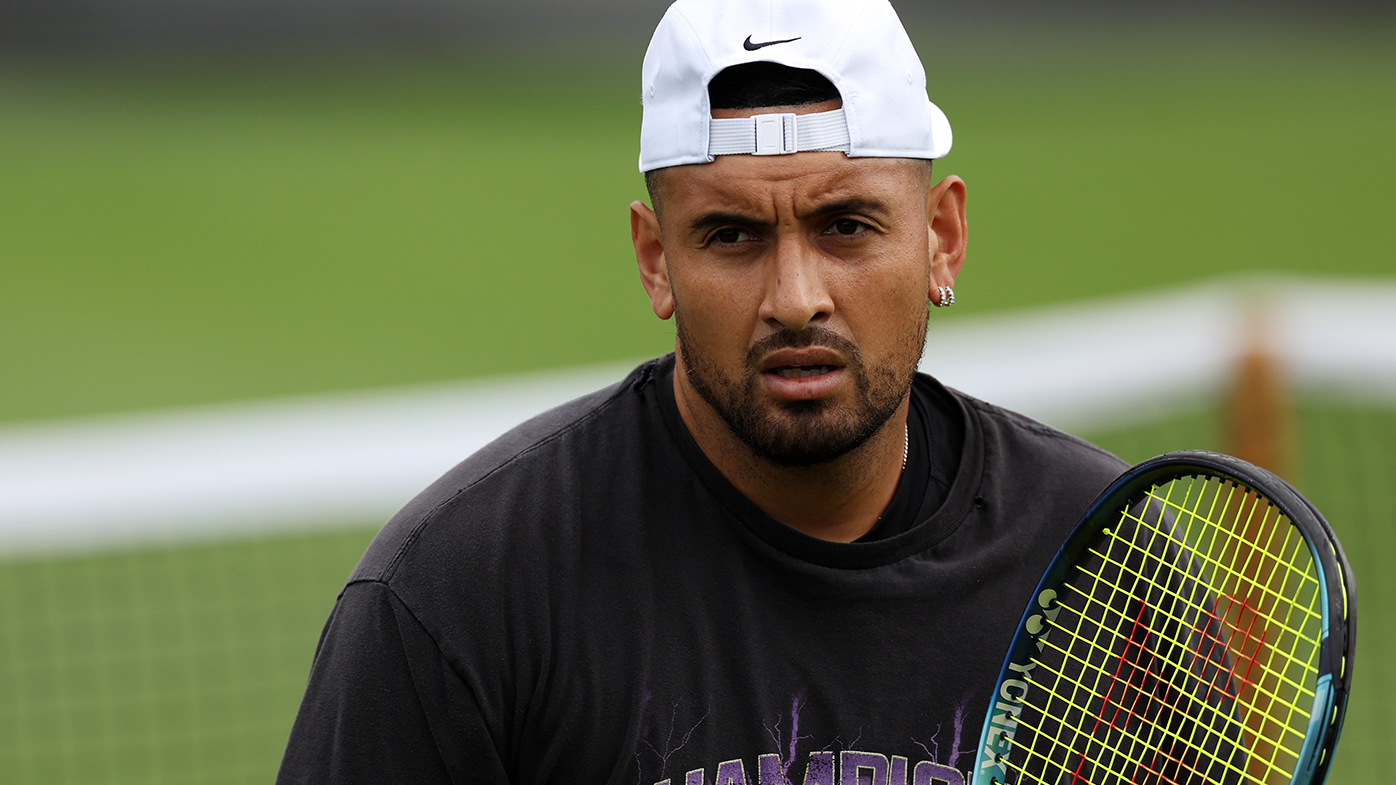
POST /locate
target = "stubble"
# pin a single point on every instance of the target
(805, 433)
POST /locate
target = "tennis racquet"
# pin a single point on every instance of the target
(1196, 627)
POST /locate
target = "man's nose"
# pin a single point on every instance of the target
(795, 292)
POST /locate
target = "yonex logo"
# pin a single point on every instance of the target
(751, 47)
(1037, 624)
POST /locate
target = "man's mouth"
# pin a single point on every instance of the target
(802, 371)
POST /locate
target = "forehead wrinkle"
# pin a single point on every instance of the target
(776, 191)
(809, 194)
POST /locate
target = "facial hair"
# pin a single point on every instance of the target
(812, 432)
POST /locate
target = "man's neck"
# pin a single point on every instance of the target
(839, 501)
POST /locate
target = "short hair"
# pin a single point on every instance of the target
(757, 86)
(762, 84)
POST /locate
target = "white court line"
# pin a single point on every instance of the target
(216, 470)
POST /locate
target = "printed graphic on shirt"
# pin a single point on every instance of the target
(795, 757)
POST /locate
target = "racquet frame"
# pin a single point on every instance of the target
(1267, 647)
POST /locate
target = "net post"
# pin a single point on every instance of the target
(1259, 410)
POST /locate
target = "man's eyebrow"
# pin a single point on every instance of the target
(716, 220)
(708, 221)
(855, 205)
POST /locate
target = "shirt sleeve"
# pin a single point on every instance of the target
(383, 705)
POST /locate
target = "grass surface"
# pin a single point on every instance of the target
(183, 232)
(179, 664)
(185, 663)
(183, 237)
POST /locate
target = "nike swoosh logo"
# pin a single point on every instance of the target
(750, 47)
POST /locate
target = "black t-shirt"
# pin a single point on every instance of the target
(935, 438)
(588, 600)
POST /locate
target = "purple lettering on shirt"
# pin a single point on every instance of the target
(854, 764)
(731, 772)
(770, 770)
(929, 773)
(897, 774)
(820, 769)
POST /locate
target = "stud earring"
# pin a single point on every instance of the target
(945, 297)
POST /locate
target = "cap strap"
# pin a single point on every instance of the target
(778, 134)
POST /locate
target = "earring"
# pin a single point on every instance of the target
(946, 297)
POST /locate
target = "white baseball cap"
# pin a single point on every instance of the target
(858, 45)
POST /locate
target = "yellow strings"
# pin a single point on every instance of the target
(1231, 609)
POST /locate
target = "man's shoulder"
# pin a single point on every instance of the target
(1012, 439)
(1036, 478)
(1051, 438)
(546, 457)
(613, 406)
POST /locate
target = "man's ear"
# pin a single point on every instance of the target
(649, 255)
(945, 214)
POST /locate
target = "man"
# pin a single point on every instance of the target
(775, 556)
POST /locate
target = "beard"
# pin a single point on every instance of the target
(805, 433)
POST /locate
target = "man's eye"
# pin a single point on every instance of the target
(728, 236)
(848, 226)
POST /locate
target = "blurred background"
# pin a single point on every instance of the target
(268, 268)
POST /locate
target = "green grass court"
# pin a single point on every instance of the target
(184, 663)
(184, 233)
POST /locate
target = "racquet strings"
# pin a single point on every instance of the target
(1184, 648)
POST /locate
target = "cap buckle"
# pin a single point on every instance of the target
(775, 134)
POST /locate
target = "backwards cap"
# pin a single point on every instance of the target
(859, 45)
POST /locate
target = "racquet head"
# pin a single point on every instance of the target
(1196, 627)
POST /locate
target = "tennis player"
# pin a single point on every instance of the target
(777, 555)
